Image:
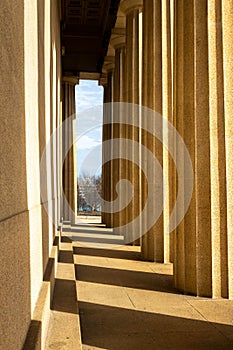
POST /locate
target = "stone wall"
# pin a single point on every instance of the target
(30, 113)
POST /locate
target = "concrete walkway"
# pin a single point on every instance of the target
(129, 304)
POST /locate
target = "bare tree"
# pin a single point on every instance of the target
(89, 191)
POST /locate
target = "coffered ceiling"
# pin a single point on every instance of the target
(85, 33)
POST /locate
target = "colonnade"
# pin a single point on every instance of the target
(182, 71)
(174, 57)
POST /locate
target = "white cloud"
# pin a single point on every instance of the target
(86, 142)
(89, 161)
(88, 95)
(89, 117)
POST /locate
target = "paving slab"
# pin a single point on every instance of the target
(127, 303)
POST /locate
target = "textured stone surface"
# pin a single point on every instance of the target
(153, 240)
(36, 263)
(69, 165)
(217, 149)
(15, 281)
(227, 14)
(131, 304)
(107, 129)
(167, 115)
(12, 126)
(203, 257)
(22, 140)
(119, 131)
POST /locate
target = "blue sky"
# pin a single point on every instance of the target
(89, 101)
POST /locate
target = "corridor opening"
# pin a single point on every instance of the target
(89, 116)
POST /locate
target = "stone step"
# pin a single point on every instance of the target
(64, 328)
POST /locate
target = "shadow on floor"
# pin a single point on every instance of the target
(65, 239)
(93, 232)
(98, 240)
(66, 257)
(125, 278)
(88, 224)
(116, 328)
(108, 253)
(64, 297)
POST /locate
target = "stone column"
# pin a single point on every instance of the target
(200, 256)
(202, 150)
(185, 246)
(119, 130)
(105, 87)
(227, 21)
(153, 239)
(69, 165)
(178, 108)
(217, 152)
(167, 115)
(107, 134)
(132, 9)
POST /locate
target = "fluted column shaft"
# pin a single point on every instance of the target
(185, 245)
(195, 237)
(167, 115)
(104, 138)
(203, 257)
(227, 22)
(107, 167)
(178, 108)
(69, 165)
(202, 150)
(217, 155)
(119, 130)
(153, 240)
(132, 10)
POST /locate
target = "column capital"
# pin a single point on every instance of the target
(103, 80)
(109, 64)
(117, 41)
(72, 80)
(108, 67)
(127, 6)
